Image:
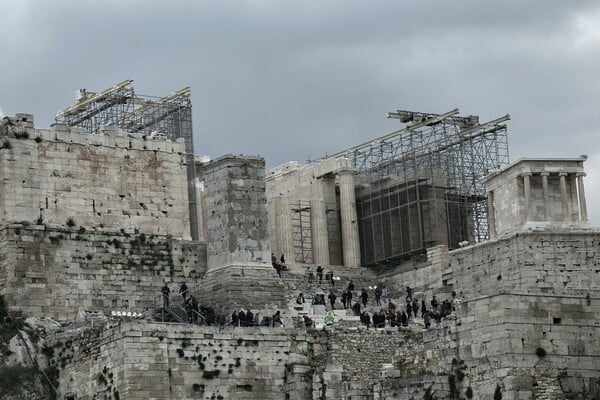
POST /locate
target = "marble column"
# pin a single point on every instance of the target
(527, 194)
(284, 241)
(491, 214)
(320, 237)
(574, 200)
(350, 239)
(563, 196)
(545, 195)
(581, 191)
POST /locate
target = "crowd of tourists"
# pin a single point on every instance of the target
(389, 314)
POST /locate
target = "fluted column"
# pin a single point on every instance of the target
(545, 195)
(563, 196)
(491, 214)
(320, 237)
(284, 242)
(350, 239)
(527, 193)
(582, 202)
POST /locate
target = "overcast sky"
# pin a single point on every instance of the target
(290, 80)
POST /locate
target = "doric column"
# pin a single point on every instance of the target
(320, 237)
(581, 191)
(563, 196)
(527, 192)
(491, 214)
(350, 240)
(283, 241)
(545, 195)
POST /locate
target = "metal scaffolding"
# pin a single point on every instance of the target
(421, 186)
(119, 106)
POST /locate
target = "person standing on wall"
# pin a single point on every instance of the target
(165, 293)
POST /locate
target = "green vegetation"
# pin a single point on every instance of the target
(498, 393)
(540, 352)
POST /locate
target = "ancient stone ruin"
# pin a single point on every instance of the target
(109, 205)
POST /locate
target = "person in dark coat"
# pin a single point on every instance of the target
(364, 296)
(234, 319)
(183, 291)
(241, 318)
(351, 285)
(165, 293)
(249, 318)
(320, 273)
(349, 298)
(356, 308)
(344, 300)
(365, 319)
(332, 298)
(434, 304)
(423, 308)
(404, 319)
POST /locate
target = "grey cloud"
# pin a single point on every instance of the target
(289, 80)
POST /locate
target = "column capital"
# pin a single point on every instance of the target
(544, 173)
(524, 174)
(563, 173)
(578, 174)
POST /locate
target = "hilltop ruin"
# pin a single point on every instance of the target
(100, 211)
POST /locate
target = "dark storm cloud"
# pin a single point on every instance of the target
(291, 80)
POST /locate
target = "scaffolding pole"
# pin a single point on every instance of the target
(119, 106)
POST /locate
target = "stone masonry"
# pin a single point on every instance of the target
(114, 179)
(97, 223)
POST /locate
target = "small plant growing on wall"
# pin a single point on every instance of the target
(6, 144)
(498, 393)
(540, 352)
(70, 222)
(38, 139)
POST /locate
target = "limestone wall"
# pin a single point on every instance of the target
(114, 180)
(154, 360)
(529, 315)
(236, 216)
(518, 341)
(56, 272)
(158, 361)
(563, 262)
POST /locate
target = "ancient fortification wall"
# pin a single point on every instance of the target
(114, 179)
(530, 311)
(57, 272)
(153, 360)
